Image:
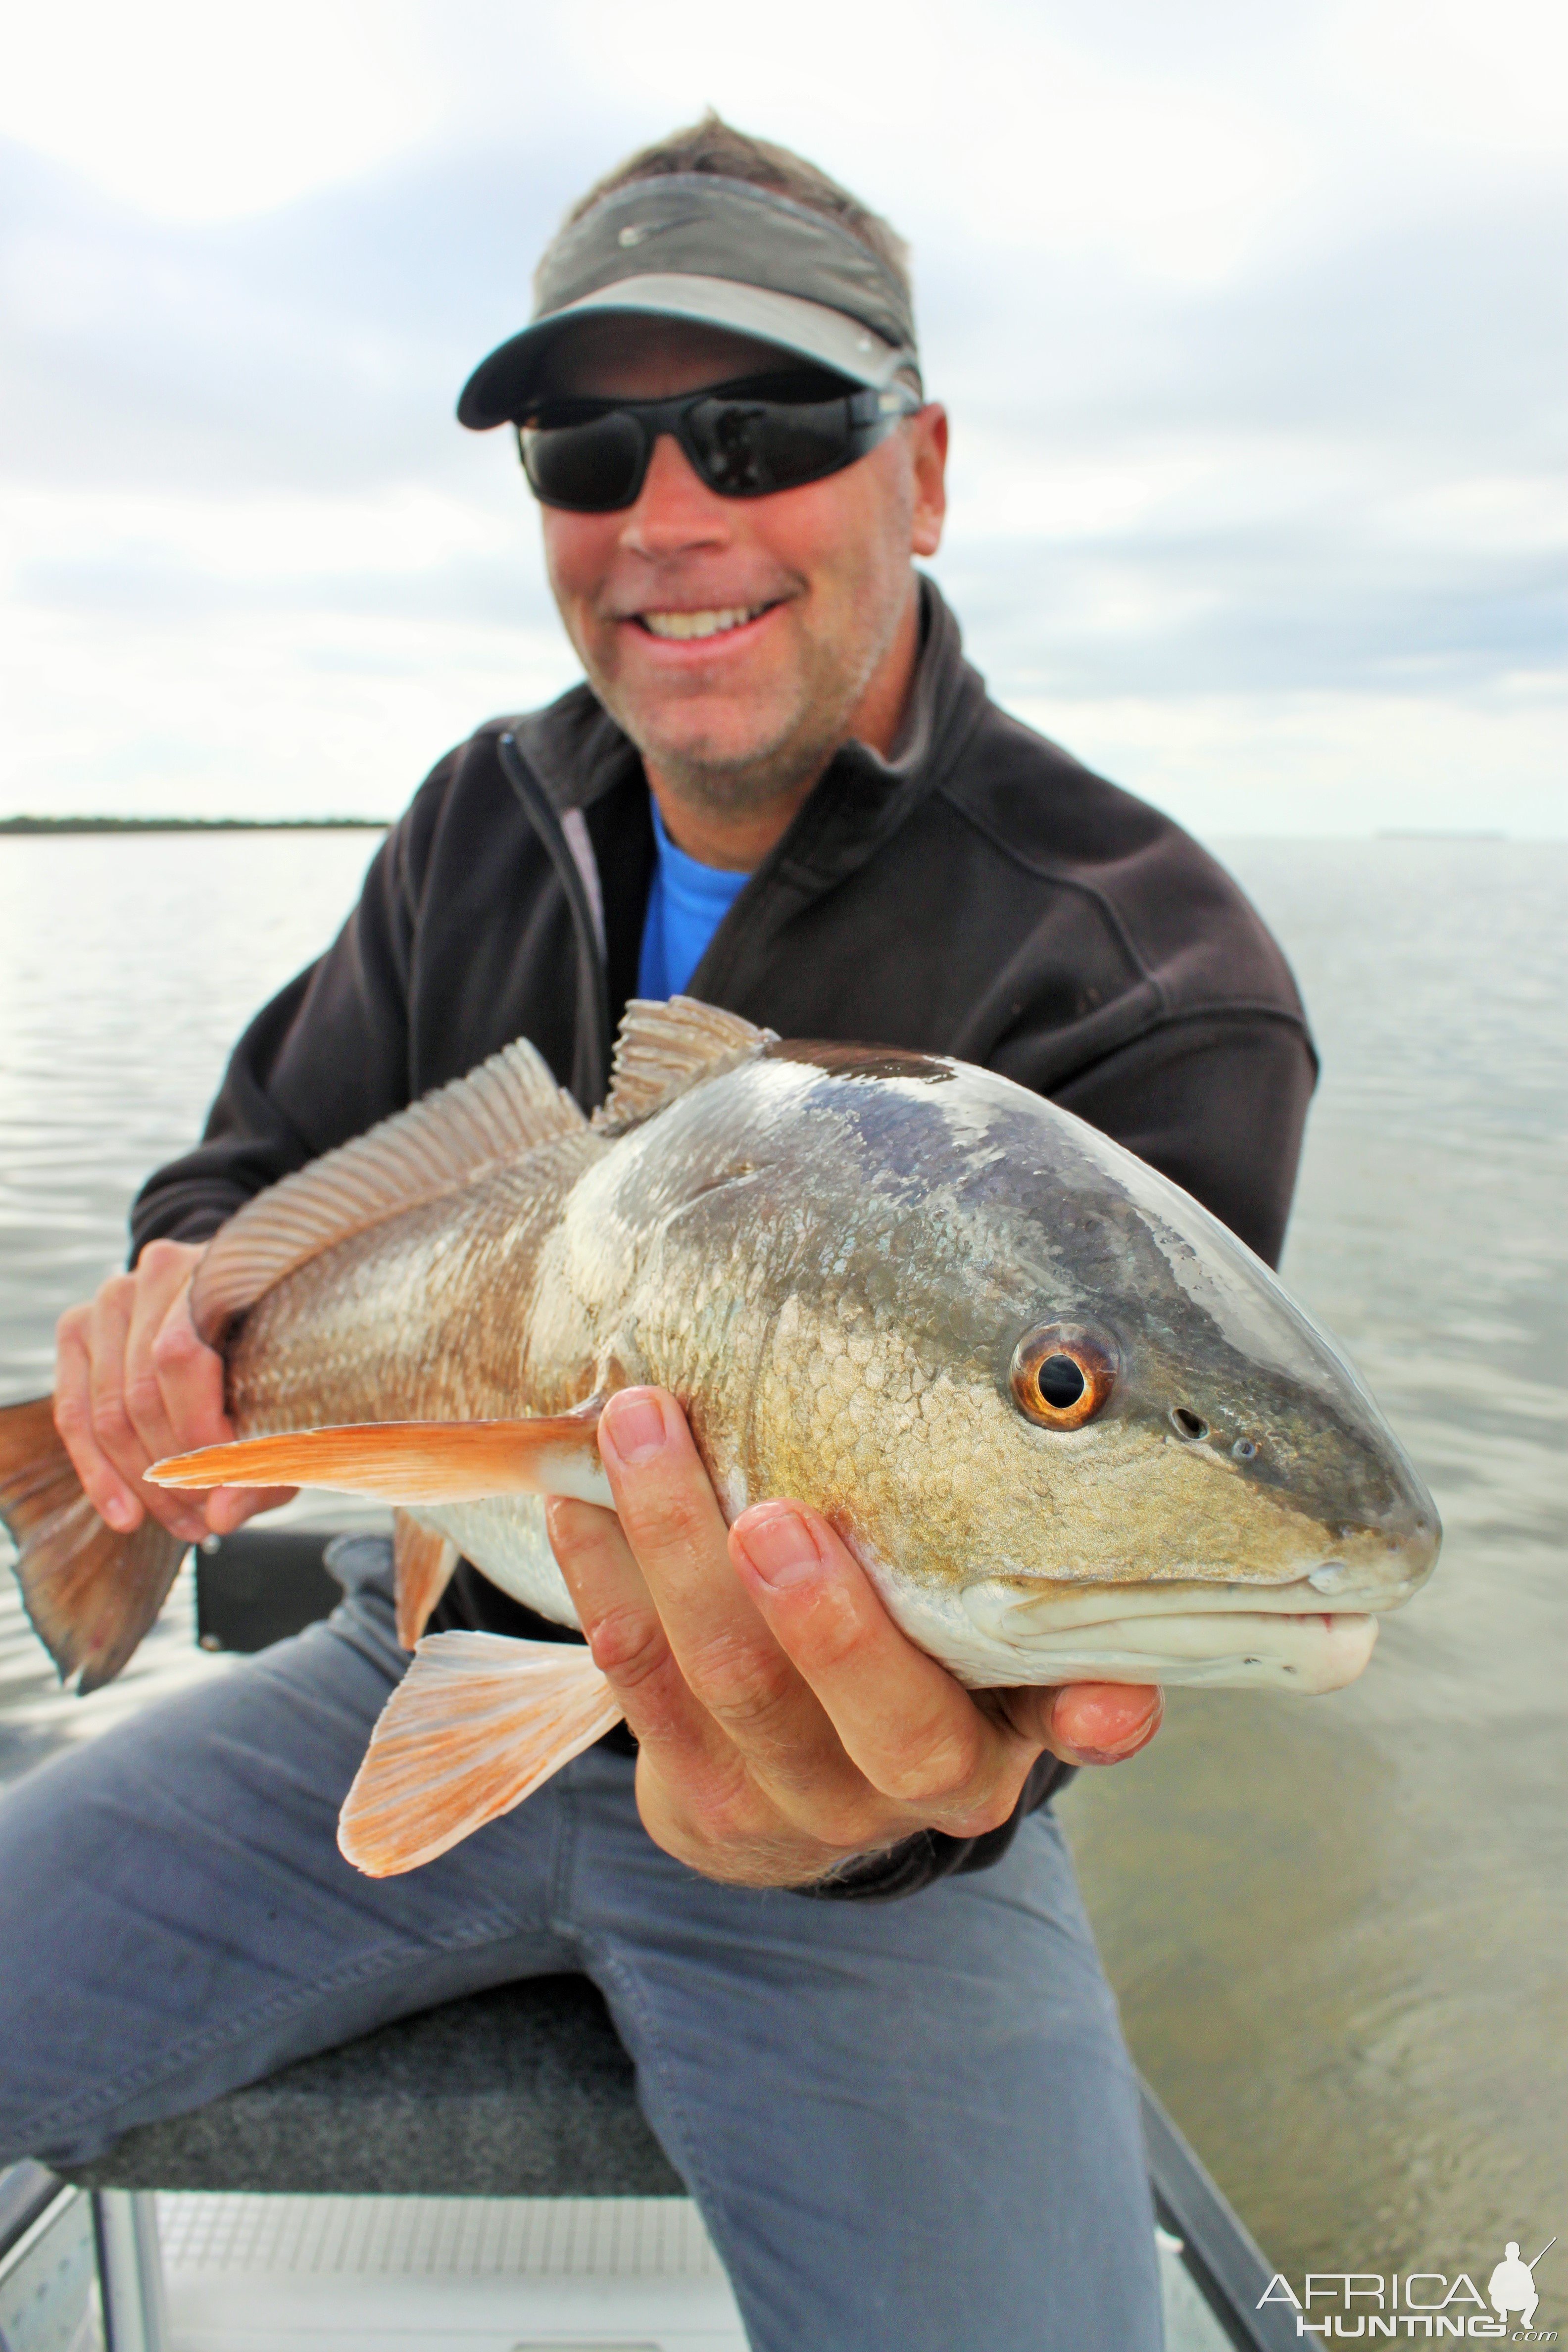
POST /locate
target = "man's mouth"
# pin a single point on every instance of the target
(713, 623)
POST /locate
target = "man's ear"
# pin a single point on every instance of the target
(927, 432)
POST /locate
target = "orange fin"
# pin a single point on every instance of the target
(413, 1462)
(501, 1112)
(91, 1592)
(423, 1562)
(475, 1726)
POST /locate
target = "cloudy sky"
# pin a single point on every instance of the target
(1250, 319)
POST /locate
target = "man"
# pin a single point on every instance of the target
(909, 2120)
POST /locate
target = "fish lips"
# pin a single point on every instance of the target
(1224, 1636)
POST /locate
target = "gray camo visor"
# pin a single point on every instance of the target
(722, 252)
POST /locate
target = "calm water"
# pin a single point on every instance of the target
(1337, 1925)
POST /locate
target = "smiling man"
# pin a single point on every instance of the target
(820, 1884)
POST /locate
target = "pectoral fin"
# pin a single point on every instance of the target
(475, 1726)
(423, 1562)
(413, 1462)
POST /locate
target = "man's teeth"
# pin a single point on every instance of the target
(699, 624)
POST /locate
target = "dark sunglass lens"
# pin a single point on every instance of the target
(747, 448)
(594, 467)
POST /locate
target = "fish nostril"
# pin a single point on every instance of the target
(1244, 1449)
(1188, 1425)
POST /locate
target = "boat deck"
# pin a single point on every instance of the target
(252, 2274)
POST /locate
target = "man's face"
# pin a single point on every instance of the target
(800, 597)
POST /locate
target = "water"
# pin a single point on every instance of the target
(129, 963)
(1336, 1926)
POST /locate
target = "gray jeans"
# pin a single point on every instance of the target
(910, 2126)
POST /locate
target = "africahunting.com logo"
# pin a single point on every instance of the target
(1348, 2305)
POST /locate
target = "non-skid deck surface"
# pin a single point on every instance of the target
(421, 2275)
(248, 2274)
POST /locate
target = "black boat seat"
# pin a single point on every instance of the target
(523, 2091)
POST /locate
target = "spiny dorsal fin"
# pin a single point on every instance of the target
(664, 1050)
(508, 1107)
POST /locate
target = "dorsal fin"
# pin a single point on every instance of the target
(664, 1050)
(506, 1107)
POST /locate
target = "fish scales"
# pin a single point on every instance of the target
(1071, 1426)
(818, 1254)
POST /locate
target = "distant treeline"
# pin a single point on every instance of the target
(193, 823)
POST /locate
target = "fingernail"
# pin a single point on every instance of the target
(1129, 1744)
(779, 1548)
(635, 1425)
(120, 1514)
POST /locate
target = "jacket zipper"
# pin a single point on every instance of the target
(591, 1045)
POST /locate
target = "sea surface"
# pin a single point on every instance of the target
(1338, 1927)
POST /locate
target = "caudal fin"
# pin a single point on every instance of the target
(91, 1592)
(476, 1725)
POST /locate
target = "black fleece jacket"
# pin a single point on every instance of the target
(979, 894)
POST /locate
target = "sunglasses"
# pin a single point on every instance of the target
(745, 440)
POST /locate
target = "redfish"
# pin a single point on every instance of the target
(1072, 1427)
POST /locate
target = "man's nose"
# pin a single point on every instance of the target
(675, 508)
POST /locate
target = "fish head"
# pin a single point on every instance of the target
(1104, 1440)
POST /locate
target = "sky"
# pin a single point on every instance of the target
(1250, 321)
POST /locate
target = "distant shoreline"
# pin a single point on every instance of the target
(26, 825)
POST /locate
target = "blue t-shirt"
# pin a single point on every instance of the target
(685, 906)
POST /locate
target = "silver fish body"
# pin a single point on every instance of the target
(842, 1262)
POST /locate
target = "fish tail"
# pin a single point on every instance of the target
(91, 1592)
(476, 1725)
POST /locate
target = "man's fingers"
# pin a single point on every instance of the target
(158, 1287)
(914, 1732)
(115, 1499)
(106, 1334)
(1081, 1723)
(229, 1508)
(1104, 1723)
(188, 1373)
(697, 1793)
(107, 1330)
(629, 1643)
(676, 1530)
(108, 1408)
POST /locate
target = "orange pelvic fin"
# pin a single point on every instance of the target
(413, 1462)
(475, 1726)
(423, 1562)
(90, 1593)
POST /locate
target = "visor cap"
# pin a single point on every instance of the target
(722, 252)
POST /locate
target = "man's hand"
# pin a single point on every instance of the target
(134, 1383)
(783, 1722)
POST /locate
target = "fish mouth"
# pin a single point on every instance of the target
(1231, 1636)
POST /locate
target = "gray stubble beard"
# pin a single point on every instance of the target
(744, 787)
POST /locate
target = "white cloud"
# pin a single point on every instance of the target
(196, 113)
(1241, 314)
(1326, 763)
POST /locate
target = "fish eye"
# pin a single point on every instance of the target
(1062, 1374)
